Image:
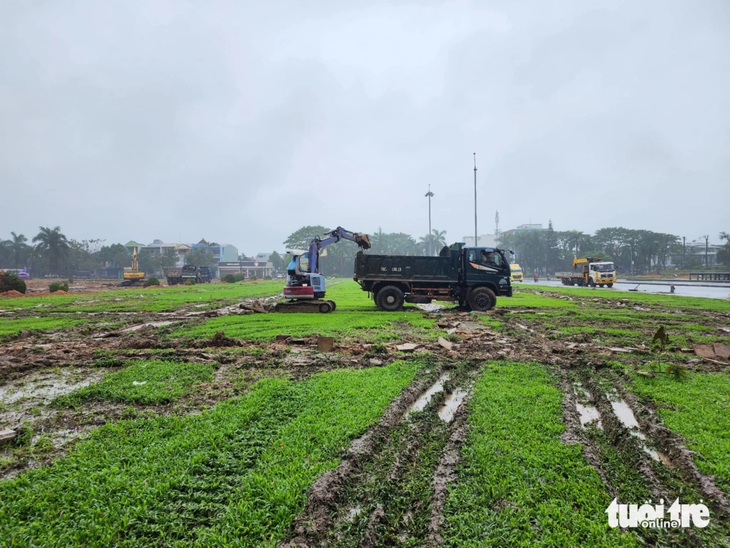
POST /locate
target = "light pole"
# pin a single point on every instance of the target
(707, 245)
(429, 195)
(476, 242)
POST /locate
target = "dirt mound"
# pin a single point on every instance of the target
(12, 293)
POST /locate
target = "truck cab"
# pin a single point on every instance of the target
(516, 274)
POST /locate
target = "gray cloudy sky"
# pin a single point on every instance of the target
(241, 122)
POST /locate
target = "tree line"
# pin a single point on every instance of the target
(543, 251)
(51, 253)
(633, 251)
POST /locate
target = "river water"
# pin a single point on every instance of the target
(682, 288)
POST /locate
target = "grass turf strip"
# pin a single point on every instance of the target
(518, 484)
(235, 475)
(699, 409)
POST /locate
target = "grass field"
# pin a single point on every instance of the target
(144, 418)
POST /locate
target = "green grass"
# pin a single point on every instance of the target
(699, 409)
(518, 484)
(233, 475)
(10, 327)
(157, 299)
(143, 382)
(356, 315)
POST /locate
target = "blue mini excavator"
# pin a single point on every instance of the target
(305, 287)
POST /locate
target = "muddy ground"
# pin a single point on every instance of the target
(349, 503)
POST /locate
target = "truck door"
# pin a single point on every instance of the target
(487, 266)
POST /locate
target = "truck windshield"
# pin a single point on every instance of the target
(603, 267)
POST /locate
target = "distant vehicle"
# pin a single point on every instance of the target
(516, 274)
(188, 274)
(589, 271)
(132, 275)
(21, 273)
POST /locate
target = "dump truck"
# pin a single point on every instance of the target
(589, 271)
(471, 276)
(189, 274)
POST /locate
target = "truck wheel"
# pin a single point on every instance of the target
(389, 298)
(591, 283)
(482, 299)
(609, 285)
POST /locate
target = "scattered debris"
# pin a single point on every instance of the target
(325, 344)
(448, 345)
(7, 436)
(715, 350)
(407, 347)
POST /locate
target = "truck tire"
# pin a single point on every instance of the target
(609, 285)
(389, 298)
(482, 299)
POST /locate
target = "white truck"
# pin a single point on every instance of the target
(589, 271)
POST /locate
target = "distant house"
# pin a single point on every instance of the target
(250, 267)
(222, 253)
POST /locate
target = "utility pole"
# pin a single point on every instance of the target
(707, 246)
(476, 241)
(429, 195)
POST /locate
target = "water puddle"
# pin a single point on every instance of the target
(451, 404)
(431, 307)
(20, 400)
(421, 403)
(587, 413)
(625, 414)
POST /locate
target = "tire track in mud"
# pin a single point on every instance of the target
(391, 485)
(619, 436)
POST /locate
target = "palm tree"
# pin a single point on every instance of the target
(53, 245)
(434, 241)
(18, 248)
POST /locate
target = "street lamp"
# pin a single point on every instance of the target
(429, 195)
(476, 242)
(707, 246)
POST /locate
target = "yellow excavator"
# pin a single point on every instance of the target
(132, 275)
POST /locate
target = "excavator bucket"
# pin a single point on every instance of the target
(363, 240)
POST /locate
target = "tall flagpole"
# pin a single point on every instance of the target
(476, 241)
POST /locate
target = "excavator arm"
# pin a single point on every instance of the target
(339, 233)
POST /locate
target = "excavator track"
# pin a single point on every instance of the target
(320, 306)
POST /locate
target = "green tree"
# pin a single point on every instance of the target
(53, 246)
(277, 261)
(19, 250)
(116, 256)
(394, 243)
(304, 236)
(432, 242)
(80, 257)
(723, 254)
(201, 256)
(152, 262)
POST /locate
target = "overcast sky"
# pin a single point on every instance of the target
(240, 122)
